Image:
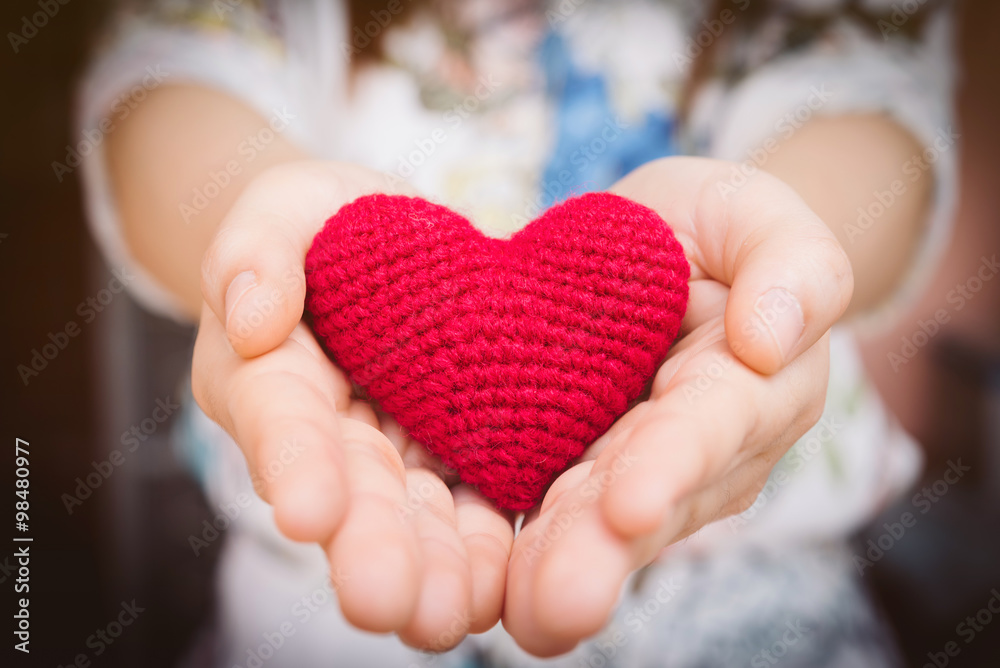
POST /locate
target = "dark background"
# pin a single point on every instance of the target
(129, 538)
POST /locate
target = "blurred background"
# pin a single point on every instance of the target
(128, 540)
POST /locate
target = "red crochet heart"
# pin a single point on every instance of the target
(505, 358)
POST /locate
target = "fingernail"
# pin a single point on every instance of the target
(242, 284)
(781, 315)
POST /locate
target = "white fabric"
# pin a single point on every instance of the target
(912, 83)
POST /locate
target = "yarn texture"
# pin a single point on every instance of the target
(505, 358)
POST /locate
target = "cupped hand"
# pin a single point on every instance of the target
(746, 380)
(407, 554)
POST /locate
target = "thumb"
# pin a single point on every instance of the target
(253, 281)
(253, 275)
(790, 279)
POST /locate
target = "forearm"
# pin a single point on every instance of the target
(840, 165)
(162, 160)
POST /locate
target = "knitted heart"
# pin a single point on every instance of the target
(505, 358)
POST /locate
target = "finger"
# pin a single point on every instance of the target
(296, 463)
(414, 454)
(363, 412)
(681, 445)
(252, 273)
(567, 481)
(488, 535)
(790, 278)
(565, 574)
(697, 320)
(281, 410)
(377, 553)
(443, 613)
(706, 299)
(395, 433)
(565, 587)
(733, 495)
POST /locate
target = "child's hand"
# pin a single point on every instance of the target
(733, 396)
(406, 553)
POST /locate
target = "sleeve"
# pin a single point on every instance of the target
(238, 48)
(856, 70)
